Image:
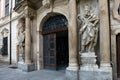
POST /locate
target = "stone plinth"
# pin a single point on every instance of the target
(26, 67)
(89, 69)
(88, 61)
(95, 75)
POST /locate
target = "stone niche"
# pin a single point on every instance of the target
(89, 67)
(95, 9)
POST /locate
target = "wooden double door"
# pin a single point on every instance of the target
(49, 49)
(55, 48)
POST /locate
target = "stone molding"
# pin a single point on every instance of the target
(43, 12)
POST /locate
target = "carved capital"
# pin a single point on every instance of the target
(29, 12)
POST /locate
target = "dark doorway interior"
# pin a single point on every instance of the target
(118, 55)
(62, 49)
(55, 42)
(56, 50)
(4, 49)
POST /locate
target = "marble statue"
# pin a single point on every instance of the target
(21, 39)
(88, 30)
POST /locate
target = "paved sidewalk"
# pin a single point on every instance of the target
(7, 73)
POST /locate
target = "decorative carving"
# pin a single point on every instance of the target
(29, 12)
(5, 32)
(89, 29)
(21, 39)
(115, 10)
(46, 3)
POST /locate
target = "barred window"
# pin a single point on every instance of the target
(6, 7)
(55, 22)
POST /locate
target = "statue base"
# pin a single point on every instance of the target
(26, 67)
(89, 69)
(88, 60)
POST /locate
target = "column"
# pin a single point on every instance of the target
(104, 34)
(27, 65)
(27, 38)
(72, 29)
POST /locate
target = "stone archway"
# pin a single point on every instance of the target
(42, 33)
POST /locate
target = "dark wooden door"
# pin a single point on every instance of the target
(50, 51)
(118, 55)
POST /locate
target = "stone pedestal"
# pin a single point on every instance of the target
(26, 67)
(89, 69)
(95, 75)
(88, 61)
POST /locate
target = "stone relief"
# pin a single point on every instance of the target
(88, 29)
(5, 32)
(21, 39)
(116, 10)
(46, 3)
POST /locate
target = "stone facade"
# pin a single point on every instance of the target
(103, 23)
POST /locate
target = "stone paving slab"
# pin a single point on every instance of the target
(7, 73)
(15, 74)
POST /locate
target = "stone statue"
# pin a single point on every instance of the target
(21, 39)
(88, 30)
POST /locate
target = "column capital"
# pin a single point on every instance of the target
(29, 12)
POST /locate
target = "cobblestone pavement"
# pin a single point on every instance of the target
(7, 73)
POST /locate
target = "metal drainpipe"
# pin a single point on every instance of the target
(112, 64)
(10, 33)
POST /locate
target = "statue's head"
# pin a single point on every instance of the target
(21, 23)
(87, 9)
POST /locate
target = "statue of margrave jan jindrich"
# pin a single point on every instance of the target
(88, 30)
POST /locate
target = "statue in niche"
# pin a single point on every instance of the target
(21, 39)
(88, 30)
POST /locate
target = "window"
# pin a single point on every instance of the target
(17, 2)
(55, 22)
(6, 7)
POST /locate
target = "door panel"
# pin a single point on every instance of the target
(118, 55)
(50, 51)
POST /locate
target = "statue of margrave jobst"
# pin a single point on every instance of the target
(88, 30)
(21, 39)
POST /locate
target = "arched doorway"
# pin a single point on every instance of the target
(55, 42)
